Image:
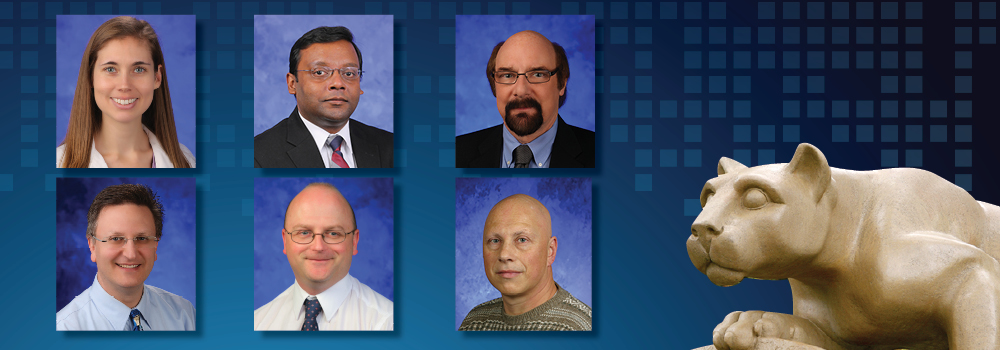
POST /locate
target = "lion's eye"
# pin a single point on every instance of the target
(754, 198)
(706, 196)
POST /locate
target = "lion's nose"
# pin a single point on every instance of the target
(704, 232)
(702, 228)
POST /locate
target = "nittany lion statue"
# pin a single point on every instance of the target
(885, 259)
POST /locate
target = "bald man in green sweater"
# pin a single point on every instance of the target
(518, 252)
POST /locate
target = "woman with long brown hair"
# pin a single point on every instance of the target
(121, 115)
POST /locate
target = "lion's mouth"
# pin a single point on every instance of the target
(718, 274)
(722, 276)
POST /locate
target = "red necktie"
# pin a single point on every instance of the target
(337, 157)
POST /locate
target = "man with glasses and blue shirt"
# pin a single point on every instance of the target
(320, 237)
(324, 74)
(528, 75)
(124, 226)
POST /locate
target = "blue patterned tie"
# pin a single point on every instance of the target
(134, 318)
(335, 141)
(312, 310)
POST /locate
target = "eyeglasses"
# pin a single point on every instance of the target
(330, 237)
(324, 73)
(119, 241)
(507, 77)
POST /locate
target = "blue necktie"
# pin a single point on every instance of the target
(335, 141)
(312, 310)
(134, 318)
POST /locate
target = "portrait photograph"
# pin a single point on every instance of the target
(321, 236)
(118, 229)
(558, 93)
(341, 80)
(121, 110)
(502, 231)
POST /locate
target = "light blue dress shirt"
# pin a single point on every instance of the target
(541, 148)
(96, 310)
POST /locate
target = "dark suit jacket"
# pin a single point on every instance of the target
(572, 148)
(288, 144)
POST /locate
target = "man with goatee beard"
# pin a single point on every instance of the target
(528, 75)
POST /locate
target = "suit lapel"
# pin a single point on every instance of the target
(304, 153)
(565, 148)
(366, 152)
(490, 150)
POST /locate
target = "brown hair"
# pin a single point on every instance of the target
(562, 69)
(85, 116)
(140, 195)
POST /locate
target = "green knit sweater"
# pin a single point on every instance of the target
(561, 313)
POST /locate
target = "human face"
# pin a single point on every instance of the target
(124, 80)
(518, 248)
(327, 103)
(528, 109)
(319, 265)
(123, 269)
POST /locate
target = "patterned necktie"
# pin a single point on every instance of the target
(335, 141)
(522, 156)
(312, 310)
(135, 319)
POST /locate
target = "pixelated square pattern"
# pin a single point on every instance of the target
(783, 60)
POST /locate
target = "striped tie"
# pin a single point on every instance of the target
(134, 319)
(335, 141)
(312, 310)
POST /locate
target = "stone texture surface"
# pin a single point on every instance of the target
(882, 249)
(774, 344)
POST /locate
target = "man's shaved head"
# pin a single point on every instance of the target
(320, 187)
(518, 252)
(524, 205)
(317, 210)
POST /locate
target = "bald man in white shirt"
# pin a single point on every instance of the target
(320, 237)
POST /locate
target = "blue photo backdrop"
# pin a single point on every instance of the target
(273, 39)
(174, 269)
(569, 201)
(176, 34)
(475, 37)
(679, 84)
(372, 201)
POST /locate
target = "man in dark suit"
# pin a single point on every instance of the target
(532, 135)
(324, 74)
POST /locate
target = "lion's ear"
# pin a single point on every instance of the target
(727, 165)
(809, 163)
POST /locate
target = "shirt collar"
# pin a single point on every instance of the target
(541, 147)
(329, 299)
(160, 158)
(96, 159)
(319, 135)
(113, 310)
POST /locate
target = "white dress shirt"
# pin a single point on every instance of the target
(96, 310)
(347, 305)
(160, 157)
(320, 136)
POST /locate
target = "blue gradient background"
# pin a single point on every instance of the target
(475, 37)
(177, 40)
(646, 291)
(175, 253)
(371, 199)
(569, 203)
(273, 40)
